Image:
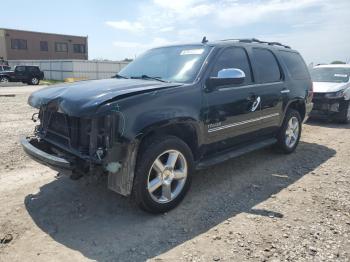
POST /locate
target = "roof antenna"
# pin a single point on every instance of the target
(204, 40)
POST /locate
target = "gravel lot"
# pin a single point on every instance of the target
(260, 207)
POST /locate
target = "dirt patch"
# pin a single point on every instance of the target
(260, 207)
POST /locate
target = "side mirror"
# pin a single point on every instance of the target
(226, 77)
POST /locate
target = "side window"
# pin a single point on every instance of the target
(295, 65)
(266, 66)
(235, 57)
(33, 69)
(20, 69)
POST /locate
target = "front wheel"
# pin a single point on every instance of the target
(289, 134)
(162, 174)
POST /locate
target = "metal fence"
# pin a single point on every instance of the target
(85, 69)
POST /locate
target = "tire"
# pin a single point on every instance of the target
(290, 132)
(4, 80)
(154, 179)
(34, 81)
(345, 114)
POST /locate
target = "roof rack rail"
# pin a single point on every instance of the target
(254, 40)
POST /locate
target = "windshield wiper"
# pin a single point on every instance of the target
(119, 76)
(158, 78)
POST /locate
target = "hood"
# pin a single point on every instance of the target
(7, 71)
(84, 97)
(329, 87)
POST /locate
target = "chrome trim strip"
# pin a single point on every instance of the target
(250, 86)
(285, 91)
(242, 123)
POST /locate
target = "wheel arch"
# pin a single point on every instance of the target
(298, 105)
(184, 129)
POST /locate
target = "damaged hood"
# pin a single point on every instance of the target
(329, 87)
(84, 97)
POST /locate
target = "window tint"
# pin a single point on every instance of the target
(61, 47)
(33, 69)
(79, 48)
(44, 46)
(18, 44)
(295, 65)
(6, 68)
(20, 68)
(266, 66)
(233, 58)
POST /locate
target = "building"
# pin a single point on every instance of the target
(23, 45)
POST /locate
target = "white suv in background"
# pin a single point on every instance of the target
(331, 85)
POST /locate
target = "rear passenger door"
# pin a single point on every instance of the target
(270, 88)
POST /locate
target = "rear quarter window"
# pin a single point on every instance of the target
(33, 69)
(295, 65)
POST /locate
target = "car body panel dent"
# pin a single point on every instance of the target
(84, 97)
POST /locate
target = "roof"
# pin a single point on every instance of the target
(334, 66)
(36, 32)
(229, 42)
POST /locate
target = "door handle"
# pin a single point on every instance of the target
(256, 103)
(285, 91)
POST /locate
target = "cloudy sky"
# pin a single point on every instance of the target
(319, 29)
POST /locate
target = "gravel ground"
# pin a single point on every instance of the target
(263, 206)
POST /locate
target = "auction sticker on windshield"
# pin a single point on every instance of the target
(192, 52)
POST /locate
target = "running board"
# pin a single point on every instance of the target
(234, 153)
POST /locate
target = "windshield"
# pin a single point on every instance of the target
(173, 64)
(329, 74)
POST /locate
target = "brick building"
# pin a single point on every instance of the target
(22, 45)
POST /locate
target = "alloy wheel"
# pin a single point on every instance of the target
(4, 80)
(292, 132)
(167, 176)
(35, 80)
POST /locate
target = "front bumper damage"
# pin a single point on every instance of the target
(84, 146)
(328, 108)
(40, 152)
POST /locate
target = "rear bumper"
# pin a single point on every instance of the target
(36, 150)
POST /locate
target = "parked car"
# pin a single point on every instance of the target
(173, 110)
(25, 74)
(4, 68)
(331, 92)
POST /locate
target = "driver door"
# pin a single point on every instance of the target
(232, 111)
(20, 73)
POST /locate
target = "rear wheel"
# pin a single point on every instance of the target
(34, 81)
(4, 80)
(289, 134)
(162, 174)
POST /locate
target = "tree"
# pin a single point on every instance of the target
(338, 62)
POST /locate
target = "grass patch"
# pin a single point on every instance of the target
(50, 82)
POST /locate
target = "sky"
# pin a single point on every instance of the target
(318, 29)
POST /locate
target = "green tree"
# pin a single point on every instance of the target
(338, 62)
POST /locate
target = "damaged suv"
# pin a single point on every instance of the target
(173, 110)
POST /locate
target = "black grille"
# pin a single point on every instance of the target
(319, 95)
(72, 132)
